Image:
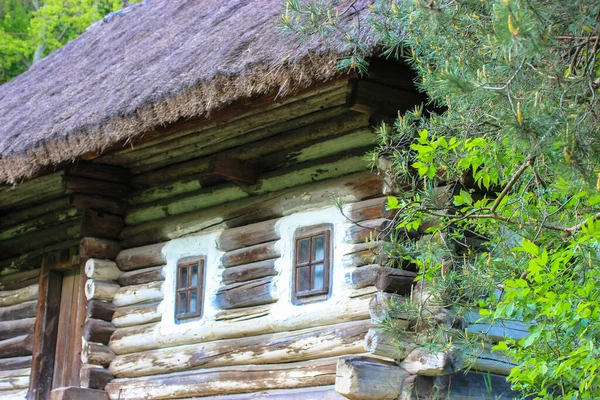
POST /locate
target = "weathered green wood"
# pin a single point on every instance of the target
(40, 223)
(352, 187)
(299, 175)
(32, 241)
(34, 191)
(32, 259)
(34, 212)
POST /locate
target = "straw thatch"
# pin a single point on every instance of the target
(160, 61)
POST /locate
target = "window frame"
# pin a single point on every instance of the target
(187, 263)
(312, 295)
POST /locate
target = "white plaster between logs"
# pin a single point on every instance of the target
(283, 309)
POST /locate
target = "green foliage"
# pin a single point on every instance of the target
(519, 141)
(30, 30)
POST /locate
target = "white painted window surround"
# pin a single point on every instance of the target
(205, 244)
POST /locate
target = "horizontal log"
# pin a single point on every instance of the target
(18, 296)
(96, 289)
(18, 280)
(371, 209)
(99, 172)
(97, 309)
(430, 362)
(148, 337)
(226, 380)
(243, 314)
(136, 315)
(395, 280)
(367, 231)
(96, 268)
(98, 203)
(247, 272)
(31, 259)
(371, 97)
(96, 354)
(101, 225)
(362, 254)
(18, 311)
(463, 386)
(366, 378)
(33, 191)
(96, 330)
(14, 382)
(497, 331)
(32, 212)
(351, 187)
(15, 372)
(78, 393)
(141, 257)
(146, 292)
(491, 362)
(144, 275)
(17, 327)
(95, 187)
(42, 222)
(94, 377)
(16, 346)
(387, 305)
(245, 294)
(383, 344)
(247, 255)
(328, 341)
(309, 393)
(91, 247)
(249, 235)
(14, 362)
(16, 394)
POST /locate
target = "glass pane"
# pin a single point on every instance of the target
(194, 275)
(303, 251)
(319, 271)
(319, 247)
(183, 277)
(181, 303)
(193, 301)
(302, 279)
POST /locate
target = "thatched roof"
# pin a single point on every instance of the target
(160, 61)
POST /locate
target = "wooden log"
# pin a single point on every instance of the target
(463, 386)
(97, 309)
(18, 296)
(18, 280)
(94, 377)
(99, 172)
(243, 314)
(231, 380)
(39, 223)
(491, 362)
(78, 393)
(98, 203)
(245, 294)
(18, 311)
(328, 341)
(148, 337)
(33, 212)
(395, 280)
(101, 225)
(247, 255)
(95, 187)
(46, 330)
(235, 170)
(32, 259)
(16, 346)
(374, 98)
(97, 354)
(428, 362)
(309, 393)
(351, 187)
(366, 378)
(136, 315)
(33, 191)
(96, 268)
(387, 305)
(91, 247)
(496, 331)
(14, 362)
(371, 209)
(144, 275)
(17, 327)
(96, 289)
(367, 231)
(249, 235)
(382, 344)
(247, 272)
(17, 394)
(14, 382)
(141, 257)
(96, 330)
(147, 292)
(361, 254)
(15, 372)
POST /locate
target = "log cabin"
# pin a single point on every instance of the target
(187, 212)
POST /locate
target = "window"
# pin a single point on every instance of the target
(190, 288)
(312, 264)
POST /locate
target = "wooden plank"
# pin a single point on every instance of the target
(247, 255)
(247, 272)
(229, 380)
(78, 393)
(18, 311)
(249, 235)
(78, 316)
(245, 294)
(63, 341)
(46, 330)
